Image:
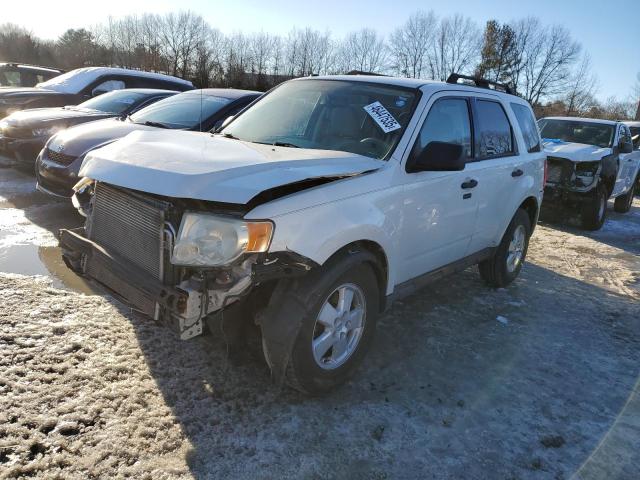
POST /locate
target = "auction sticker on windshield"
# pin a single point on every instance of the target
(382, 117)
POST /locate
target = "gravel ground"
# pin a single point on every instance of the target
(536, 381)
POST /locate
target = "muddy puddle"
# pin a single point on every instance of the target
(29, 259)
(46, 260)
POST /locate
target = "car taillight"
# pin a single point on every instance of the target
(546, 171)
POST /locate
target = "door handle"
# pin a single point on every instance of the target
(469, 184)
(517, 173)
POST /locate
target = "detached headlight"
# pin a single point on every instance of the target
(45, 131)
(586, 173)
(209, 241)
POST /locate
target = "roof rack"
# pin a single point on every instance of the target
(480, 82)
(360, 72)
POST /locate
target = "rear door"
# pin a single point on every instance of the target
(498, 168)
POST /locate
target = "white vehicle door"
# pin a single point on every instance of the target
(497, 167)
(439, 207)
(627, 164)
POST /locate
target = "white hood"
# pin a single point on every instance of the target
(576, 152)
(200, 166)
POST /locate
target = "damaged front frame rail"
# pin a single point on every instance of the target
(187, 302)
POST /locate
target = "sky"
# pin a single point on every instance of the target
(608, 31)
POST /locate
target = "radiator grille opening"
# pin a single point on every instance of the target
(130, 226)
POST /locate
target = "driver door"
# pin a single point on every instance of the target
(627, 164)
(439, 207)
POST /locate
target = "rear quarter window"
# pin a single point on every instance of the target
(528, 126)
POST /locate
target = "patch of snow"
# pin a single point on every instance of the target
(78, 79)
(502, 320)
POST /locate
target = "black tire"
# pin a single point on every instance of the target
(622, 204)
(594, 211)
(303, 372)
(495, 271)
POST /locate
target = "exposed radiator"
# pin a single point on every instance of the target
(130, 226)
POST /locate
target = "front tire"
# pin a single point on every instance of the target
(503, 268)
(338, 327)
(594, 212)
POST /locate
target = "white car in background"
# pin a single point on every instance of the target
(589, 161)
(312, 211)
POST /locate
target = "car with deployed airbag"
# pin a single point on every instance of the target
(312, 211)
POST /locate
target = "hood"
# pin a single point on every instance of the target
(576, 152)
(80, 139)
(38, 116)
(201, 166)
(19, 92)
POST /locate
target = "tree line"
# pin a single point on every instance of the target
(543, 63)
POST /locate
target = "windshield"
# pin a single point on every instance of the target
(185, 110)
(352, 116)
(113, 102)
(575, 131)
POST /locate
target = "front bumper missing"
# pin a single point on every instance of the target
(139, 289)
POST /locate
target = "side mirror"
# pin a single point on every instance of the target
(626, 147)
(226, 122)
(438, 157)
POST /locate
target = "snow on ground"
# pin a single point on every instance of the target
(90, 390)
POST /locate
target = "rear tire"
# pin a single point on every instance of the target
(622, 204)
(312, 369)
(503, 268)
(594, 211)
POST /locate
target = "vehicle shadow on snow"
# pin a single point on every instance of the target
(621, 230)
(446, 390)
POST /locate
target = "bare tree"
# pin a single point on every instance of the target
(454, 48)
(545, 58)
(409, 44)
(363, 50)
(581, 89)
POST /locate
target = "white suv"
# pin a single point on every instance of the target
(312, 211)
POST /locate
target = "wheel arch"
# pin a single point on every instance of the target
(530, 205)
(379, 262)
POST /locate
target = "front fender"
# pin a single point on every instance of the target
(319, 232)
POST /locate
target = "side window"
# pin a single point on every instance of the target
(624, 134)
(108, 86)
(528, 126)
(447, 121)
(231, 112)
(493, 130)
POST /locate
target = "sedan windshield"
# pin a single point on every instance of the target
(186, 110)
(575, 131)
(113, 102)
(352, 116)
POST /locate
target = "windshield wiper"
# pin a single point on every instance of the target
(155, 124)
(228, 135)
(285, 144)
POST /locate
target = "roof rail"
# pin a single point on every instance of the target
(360, 72)
(17, 64)
(480, 82)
